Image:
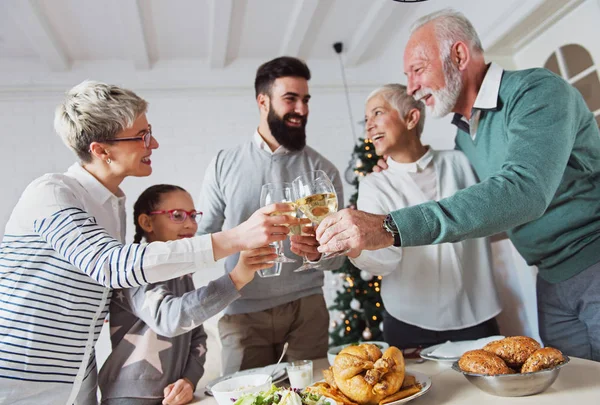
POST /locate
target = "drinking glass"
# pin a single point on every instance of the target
(316, 197)
(297, 230)
(275, 193)
(300, 374)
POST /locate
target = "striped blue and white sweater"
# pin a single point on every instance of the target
(61, 254)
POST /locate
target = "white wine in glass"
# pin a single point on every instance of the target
(316, 198)
(317, 206)
(274, 193)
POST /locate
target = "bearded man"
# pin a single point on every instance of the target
(289, 308)
(535, 146)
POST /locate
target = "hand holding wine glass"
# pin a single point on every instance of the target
(316, 197)
(276, 193)
(304, 243)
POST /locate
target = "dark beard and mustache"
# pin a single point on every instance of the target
(291, 138)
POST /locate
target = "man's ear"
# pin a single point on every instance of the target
(412, 118)
(145, 222)
(460, 54)
(263, 102)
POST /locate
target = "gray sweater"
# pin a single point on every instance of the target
(157, 337)
(231, 194)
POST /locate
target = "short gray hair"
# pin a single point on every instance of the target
(450, 26)
(397, 97)
(95, 112)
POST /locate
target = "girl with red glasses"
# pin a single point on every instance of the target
(169, 313)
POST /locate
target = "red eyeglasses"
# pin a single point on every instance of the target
(179, 216)
(145, 136)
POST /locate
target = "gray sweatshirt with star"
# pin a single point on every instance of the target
(231, 194)
(157, 337)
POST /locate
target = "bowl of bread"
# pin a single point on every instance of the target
(515, 366)
(363, 374)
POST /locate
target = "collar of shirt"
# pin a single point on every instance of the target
(260, 142)
(93, 186)
(487, 99)
(413, 167)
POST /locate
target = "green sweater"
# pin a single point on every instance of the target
(538, 158)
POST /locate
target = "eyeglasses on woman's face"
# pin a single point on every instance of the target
(179, 216)
(145, 135)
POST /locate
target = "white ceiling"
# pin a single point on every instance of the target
(54, 41)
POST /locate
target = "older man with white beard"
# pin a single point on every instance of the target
(535, 146)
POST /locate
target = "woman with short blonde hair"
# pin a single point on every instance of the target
(63, 249)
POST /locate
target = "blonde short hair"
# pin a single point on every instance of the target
(399, 100)
(95, 112)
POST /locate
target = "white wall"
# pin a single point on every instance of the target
(580, 26)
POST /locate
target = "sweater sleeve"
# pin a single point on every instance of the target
(540, 133)
(170, 315)
(383, 261)
(63, 223)
(211, 201)
(194, 369)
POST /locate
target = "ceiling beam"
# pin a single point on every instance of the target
(298, 27)
(133, 30)
(379, 12)
(34, 25)
(220, 24)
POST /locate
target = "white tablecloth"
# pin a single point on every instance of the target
(578, 383)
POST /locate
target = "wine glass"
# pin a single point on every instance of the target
(316, 197)
(275, 193)
(297, 230)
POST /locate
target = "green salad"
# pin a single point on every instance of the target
(281, 396)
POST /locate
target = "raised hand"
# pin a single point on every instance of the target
(352, 229)
(249, 263)
(258, 230)
(306, 244)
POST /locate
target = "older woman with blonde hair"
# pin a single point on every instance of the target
(63, 249)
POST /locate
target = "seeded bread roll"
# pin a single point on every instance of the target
(482, 362)
(542, 359)
(513, 350)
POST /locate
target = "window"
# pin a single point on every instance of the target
(574, 63)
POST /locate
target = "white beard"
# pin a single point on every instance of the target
(445, 98)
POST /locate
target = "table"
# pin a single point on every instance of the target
(578, 383)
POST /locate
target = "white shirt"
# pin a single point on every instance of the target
(487, 99)
(61, 254)
(436, 287)
(260, 142)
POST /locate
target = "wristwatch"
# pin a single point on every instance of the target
(390, 226)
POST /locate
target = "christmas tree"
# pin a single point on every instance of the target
(358, 305)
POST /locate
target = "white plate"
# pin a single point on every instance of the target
(422, 379)
(279, 376)
(426, 354)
